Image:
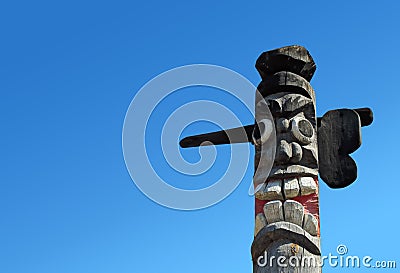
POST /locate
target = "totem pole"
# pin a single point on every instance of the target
(287, 227)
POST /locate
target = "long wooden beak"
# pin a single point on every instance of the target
(234, 135)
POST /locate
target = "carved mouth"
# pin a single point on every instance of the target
(277, 188)
(285, 219)
(287, 211)
(284, 205)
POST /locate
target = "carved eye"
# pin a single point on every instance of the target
(302, 130)
(262, 131)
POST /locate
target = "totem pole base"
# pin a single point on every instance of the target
(284, 256)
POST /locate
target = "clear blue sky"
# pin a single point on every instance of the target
(68, 71)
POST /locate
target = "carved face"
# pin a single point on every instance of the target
(296, 137)
(288, 195)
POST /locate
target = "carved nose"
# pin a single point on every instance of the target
(286, 152)
(283, 152)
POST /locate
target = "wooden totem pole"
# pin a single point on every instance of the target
(287, 227)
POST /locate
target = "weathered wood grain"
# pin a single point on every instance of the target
(338, 136)
(366, 116)
(310, 224)
(295, 59)
(271, 191)
(234, 135)
(291, 187)
(284, 230)
(273, 211)
(286, 81)
(260, 222)
(293, 212)
(307, 185)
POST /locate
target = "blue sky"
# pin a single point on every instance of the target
(69, 71)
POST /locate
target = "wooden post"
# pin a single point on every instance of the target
(287, 233)
(287, 224)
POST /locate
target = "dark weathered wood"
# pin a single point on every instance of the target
(338, 136)
(365, 114)
(286, 81)
(235, 135)
(295, 59)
